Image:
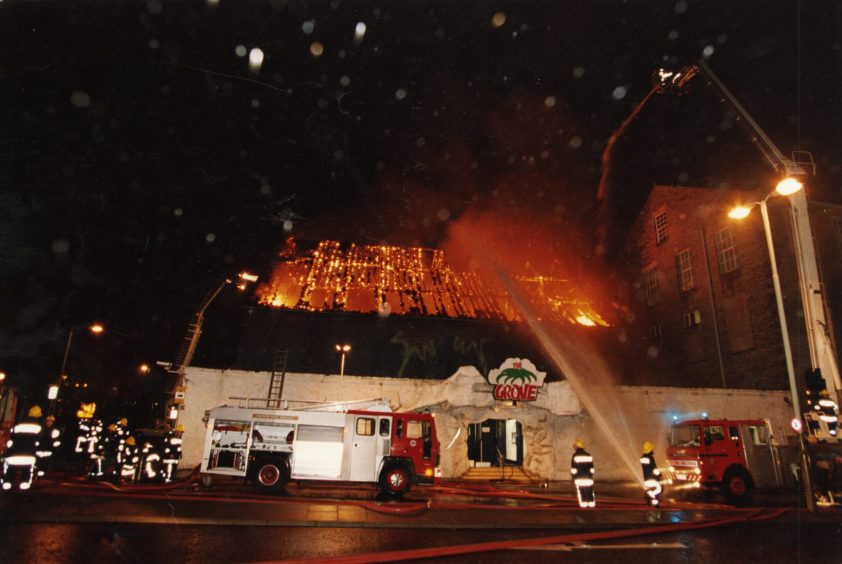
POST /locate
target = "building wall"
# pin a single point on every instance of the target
(733, 336)
(550, 424)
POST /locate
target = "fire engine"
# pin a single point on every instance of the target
(735, 455)
(269, 447)
(740, 455)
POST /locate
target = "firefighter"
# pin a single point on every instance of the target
(828, 411)
(127, 470)
(20, 457)
(151, 462)
(172, 453)
(651, 474)
(49, 441)
(581, 467)
(85, 413)
(96, 449)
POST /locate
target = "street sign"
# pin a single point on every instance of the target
(796, 425)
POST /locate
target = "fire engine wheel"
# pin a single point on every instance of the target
(395, 481)
(737, 486)
(270, 476)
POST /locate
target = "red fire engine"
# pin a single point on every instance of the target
(269, 447)
(734, 455)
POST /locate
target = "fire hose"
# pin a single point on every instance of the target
(434, 552)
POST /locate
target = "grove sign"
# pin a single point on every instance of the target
(516, 379)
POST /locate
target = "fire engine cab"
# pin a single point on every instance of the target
(734, 455)
(272, 446)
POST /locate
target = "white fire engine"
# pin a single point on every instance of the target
(269, 447)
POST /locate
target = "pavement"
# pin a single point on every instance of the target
(450, 505)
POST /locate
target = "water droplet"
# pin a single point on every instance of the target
(498, 19)
(255, 103)
(672, 35)
(549, 101)
(255, 59)
(287, 225)
(345, 81)
(153, 43)
(178, 212)
(308, 27)
(359, 31)
(444, 214)
(210, 237)
(575, 142)
(708, 51)
(579, 72)
(317, 49)
(652, 352)
(80, 99)
(400, 94)
(61, 246)
(681, 6)
(241, 50)
(619, 93)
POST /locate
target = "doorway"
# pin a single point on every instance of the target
(496, 442)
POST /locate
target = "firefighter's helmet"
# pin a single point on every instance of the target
(112, 428)
(131, 442)
(579, 443)
(648, 447)
(51, 418)
(824, 394)
(123, 422)
(179, 428)
(35, 411)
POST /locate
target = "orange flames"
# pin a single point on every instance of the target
(408, 281)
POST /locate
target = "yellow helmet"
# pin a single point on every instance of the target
(131, 442)
(35, 411)
(824, 394)
(123, 422)
(579, 443)
(51, 418)
(648, 447)
(112, 427)
(179, 428)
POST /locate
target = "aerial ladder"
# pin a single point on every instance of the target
(822, 352)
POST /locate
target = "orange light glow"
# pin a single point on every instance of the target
(583, 319)
(97, 328)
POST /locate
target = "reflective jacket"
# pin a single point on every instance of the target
(581, 465)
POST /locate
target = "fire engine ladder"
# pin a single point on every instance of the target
(276, 384)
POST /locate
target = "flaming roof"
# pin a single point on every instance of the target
(409, 281)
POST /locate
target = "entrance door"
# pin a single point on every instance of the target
(364, 452)
(495, 442)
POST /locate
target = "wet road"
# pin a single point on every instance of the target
(77, 522)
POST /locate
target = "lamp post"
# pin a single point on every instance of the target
(786, 187)
(343, 350)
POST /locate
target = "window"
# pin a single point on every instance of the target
(365, 426)
(714, 433)
(684, 271)
(384, 427)
(413, 430)
(656, 331)
(660, 227)
(759, 435)
(685, 436)
(691, 319)
(650, 282)
(726, 253)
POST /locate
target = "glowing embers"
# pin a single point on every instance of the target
(407, 281)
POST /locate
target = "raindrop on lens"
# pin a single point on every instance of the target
(317, 49)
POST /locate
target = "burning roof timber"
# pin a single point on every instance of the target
(410, 281)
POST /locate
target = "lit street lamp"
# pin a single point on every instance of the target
(343, 349)
(786, 187)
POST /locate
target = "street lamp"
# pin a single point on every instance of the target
(343, 350)
(785, 187)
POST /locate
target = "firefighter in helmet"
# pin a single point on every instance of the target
(127, 470)
(651, 474)
(96, 449)
(828, 411)
(49, 441)
(84, 414)
(20, 457)
(172, 453)
(582, 470)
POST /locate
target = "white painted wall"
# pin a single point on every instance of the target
(550, 424)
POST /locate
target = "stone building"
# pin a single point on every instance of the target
(703, 310)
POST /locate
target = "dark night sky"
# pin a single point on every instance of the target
(141, 161)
